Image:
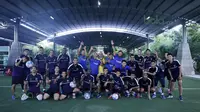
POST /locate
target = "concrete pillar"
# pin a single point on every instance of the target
(15, 49)
(147, 35)
(184, 54)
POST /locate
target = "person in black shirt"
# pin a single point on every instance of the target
(63, 60)
(145, 84)
(134, 66)
(75, 70)
(105, 82)
(174, 69)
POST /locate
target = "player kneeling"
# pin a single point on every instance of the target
(67, 86)
(105, 83)
(87, 82)
(118, 85)
(145, 85)
(33, 82)
(53, 81)
(131, 86)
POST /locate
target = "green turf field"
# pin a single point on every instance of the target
(191, 103)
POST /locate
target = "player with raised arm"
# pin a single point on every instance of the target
(82, 56)
(117, 57)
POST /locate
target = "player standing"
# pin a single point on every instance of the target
(117, 57)
(18, 74)
(40, 61)
(82, 56)
(63, 60)
(174, 69)
(51, 62)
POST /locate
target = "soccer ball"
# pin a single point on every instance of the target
(24, 97)
(87, 96)
(29, 64)
(39, 97)
(115, 96)
(72, 84)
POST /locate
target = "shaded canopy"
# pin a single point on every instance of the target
(140, 16)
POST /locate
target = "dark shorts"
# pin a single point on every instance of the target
(108, 87)
(175, 78)
(33, 93)
(67, 90)
(117, 89)
(166, 74)
(161, 80)
(18, 80)
(51, 91)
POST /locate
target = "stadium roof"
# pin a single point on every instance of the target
(121, 18)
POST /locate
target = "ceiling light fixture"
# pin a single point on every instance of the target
(52, 17)
(128, 37)
(99, 3)
(98, 29)
(100, 32)
(74, 36)
(148, 18)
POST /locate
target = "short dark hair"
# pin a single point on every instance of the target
(148, 50)
(120, 51)
(117, 70)
(131, 54)
(105, 68)
(123, 61)
(169, 54)
(40, 47)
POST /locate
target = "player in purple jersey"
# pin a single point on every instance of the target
(32, 83)
(40, 62)
(87, 82)
(53, 81)
(145, 85)
(174, 69)
(63, 60)
(82, 55)
(152, 71)
(65, 88)
(105, 83)
(131, 86)
(18, 75)
(51, 62)
(117, 57)
(75, 71)
(148, 59)
(133, 64)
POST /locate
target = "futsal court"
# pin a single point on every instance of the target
(191, 103)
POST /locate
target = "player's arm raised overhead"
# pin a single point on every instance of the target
(80, 47)
(113, 47)
(90, 52)
(85, 50)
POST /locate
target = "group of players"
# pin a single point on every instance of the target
(105, 75)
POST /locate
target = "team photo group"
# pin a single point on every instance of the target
(94, 75)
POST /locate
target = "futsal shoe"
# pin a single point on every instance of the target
(180, 98)
(163, 97)
(13, 97)
(154, 96)
(170, 97)
(98, 95)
